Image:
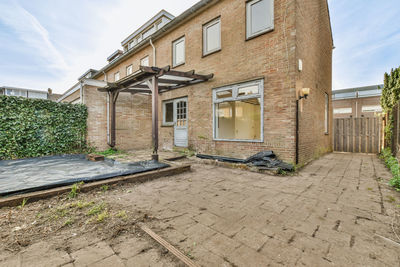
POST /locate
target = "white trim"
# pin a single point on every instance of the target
(235, 97)
(214, 22)
(249, 34)
(70, 92)
(164, 123)
(92, 82)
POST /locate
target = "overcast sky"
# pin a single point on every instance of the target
(51, 43)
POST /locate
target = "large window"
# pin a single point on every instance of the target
(326, 113)
(259, 17)
(238, 112)
(178, 52)
(212, 36)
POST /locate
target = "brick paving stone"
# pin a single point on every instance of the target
(92, 254)
(131, 247)
(251, 238)
(245, 256)
(221, 245)
(113, 261)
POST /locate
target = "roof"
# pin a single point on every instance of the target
(182, 18)
(356, 92)
(70, 91)
(115, 54)
(160, 14)
(93, 71)
(23, 89)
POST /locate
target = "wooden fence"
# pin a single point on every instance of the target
(362, 135)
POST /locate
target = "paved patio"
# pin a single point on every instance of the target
(337, 211)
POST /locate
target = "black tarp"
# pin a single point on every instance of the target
(264, 160)
(28, 175)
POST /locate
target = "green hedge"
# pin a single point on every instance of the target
(36, 127)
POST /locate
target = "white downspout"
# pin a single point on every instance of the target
(154, 53)
(108, 112)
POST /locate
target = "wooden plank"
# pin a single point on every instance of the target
(362, 135)
(369, 121)
(376, 135)
(345, 135)
(357, 135)
(351, 135)
(340, 139)
(335, 137)
(168, 246)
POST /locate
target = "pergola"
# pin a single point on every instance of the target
(154, 81)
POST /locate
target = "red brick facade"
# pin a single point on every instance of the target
(301, 31)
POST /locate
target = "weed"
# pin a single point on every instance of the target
(69, 221)
(393, 165)
(202, 137)
(391, 199)
(122, 214)
(39, 215)
(102, 216)
(80, 205)
(75, 189)
(96, 209)
(110, 152)
(369, 188)
(24, 201)
(104, 188)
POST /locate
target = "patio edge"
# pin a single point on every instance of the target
(136, 178)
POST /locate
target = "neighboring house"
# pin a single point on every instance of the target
(28, 93)
(357, 102)
(251, 62)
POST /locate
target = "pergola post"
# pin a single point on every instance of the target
(113, 101)
(153, 85)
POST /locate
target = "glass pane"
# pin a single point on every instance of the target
(240, 120)
(179, 52)
(169, 112)
(213, 40)
(259, 16)
(224, 94)
(248, 90)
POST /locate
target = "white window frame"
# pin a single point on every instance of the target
(115, 76)
(249, 34)
(205, 27)
(342, 110)
(164, 112)
(174, 44)
(148, 61)
(130, 67)
(235, 88)
(326, 113)
(371, 109)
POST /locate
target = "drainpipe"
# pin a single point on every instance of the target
(108, 112)
(297, 131)
(154, 52)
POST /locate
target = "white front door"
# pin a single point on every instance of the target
(180, 123)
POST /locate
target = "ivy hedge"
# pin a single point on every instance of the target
(36, 127)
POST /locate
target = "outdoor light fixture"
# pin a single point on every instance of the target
(305, 92)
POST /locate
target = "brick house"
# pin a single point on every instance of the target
(357, 102)
(261, 54)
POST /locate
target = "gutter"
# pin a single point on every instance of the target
(200, 6)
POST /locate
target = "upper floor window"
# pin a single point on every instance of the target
(129, 70)
(116, 76)
(212, 37)
(145, 61)
(178, 52)
(259, 17)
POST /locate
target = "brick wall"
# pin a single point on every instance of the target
(314, 48)
(271, 56)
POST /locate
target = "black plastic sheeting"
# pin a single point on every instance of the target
(28, 175)
(262, 160)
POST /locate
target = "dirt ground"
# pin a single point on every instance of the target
(338, 211)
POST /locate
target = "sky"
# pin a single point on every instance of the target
(49, 44)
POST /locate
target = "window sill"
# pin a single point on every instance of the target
(178, 65)
(167, 125)
(211, 53)
(259, 34)
(237, 140)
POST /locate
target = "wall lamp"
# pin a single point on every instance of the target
(305, 92)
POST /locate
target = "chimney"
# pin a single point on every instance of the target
(49, 91)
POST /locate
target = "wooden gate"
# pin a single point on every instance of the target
(357, 135)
